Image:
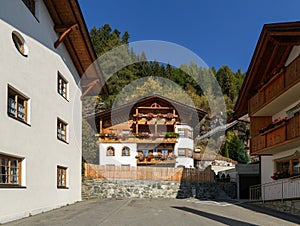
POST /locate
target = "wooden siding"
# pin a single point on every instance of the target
(132, 139)
(282, 134)
(279, 84)
(259, 122)
(148, 173)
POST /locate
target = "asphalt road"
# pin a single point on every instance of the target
(158, 212)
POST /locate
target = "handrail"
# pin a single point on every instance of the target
(280, 189)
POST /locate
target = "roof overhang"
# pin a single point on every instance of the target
(273, 48)
(65, 14)
(120, 114)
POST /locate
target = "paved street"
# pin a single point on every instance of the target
(158, 212)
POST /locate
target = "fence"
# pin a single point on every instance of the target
(281, 189)
(148, 173)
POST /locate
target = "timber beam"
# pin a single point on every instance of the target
(64, 30)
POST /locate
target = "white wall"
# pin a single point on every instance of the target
(184, 161)
(183, 143)
(267, 169)
(36, 77)
(282, 114)
(118, 159)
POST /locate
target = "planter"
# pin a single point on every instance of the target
(280, 175)
(141, 158)
(276, 123)
(149, 158)
(171, 135)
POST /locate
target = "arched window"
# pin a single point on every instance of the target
(110, 151)
(125, 151)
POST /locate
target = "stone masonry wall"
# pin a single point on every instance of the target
(286, 206)
(104, 188)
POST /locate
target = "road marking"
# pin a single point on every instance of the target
(215, 203)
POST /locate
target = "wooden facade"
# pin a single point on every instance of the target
(270, 95)
(148, 173)
(151, 124)
(287, 131)
(276, 86)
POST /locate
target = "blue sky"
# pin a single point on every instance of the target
(220, 32)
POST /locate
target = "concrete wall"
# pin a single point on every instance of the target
(184, 161)
(267, 169)
(36, 77)
(118, 159)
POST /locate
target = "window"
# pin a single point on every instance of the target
(181, 132)
(61, 177)
(181, 152)
(62, 86)
(145, 152)
(20, 43)
(190, 134)
(30, 5)
(125, 151)
(17, 105)
(165, 152)
(190, 153)
(62, 130)
(10, 170)
(290, 167)
(110, 151)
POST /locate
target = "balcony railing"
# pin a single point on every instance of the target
(277, 190)
(282, 134)
(133, 139)
(275, 87)
(146, 160)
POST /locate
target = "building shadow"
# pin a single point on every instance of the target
(274, 213)
(221, 219)
(200, 184)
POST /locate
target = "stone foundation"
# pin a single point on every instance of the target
(104, 188)
(230, 189)
(286, 206)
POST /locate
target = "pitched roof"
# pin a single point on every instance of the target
(121, 112)
(273, 48)
(64, 14)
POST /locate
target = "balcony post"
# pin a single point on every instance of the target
(100, 128)
(137, 121)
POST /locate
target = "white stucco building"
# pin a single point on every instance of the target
(153, 131)
(45, 48)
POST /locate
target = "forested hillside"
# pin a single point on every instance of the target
(145, 78)
(105, 39)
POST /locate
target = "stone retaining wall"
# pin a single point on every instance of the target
(230, 188)
(104, 188)
(286, 206)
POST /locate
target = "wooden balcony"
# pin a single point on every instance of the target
(281, 137)
(155, 161)
(279, 92)
(132, 139)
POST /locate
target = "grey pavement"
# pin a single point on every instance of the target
(158, 212)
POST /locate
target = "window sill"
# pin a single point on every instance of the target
(62, 187)
(12, 186)
(20, 120)
(65, 98)
(62, 140)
